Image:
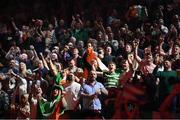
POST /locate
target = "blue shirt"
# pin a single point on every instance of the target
(88, 103)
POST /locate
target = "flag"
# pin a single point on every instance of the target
(87, 59)
(52, 109)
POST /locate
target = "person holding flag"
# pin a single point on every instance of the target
(54, 108)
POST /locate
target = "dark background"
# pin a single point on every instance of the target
(23, 10)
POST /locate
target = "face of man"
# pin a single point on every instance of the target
(109, 50)
(78, 25)
(40, 64)
(61, 22)
(93, 75)
(148, 57)
(110, 36)
(99, 36)
(12, 63)
(176, 50)
(75, 52)
(72, 63)
(125, 65)
(23, 57)
(167, 64)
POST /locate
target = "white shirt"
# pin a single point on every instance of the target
(72, 91)
(21, 87)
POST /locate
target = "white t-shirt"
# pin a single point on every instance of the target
(72, 91)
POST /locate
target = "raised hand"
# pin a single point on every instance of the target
(41, 54)
(136, 43)
(73, 18)
(31, 47)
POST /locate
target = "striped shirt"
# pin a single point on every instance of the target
(112, 80)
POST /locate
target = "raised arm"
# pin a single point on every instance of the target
(171, 44)
(136, 45)
(14, 24)
(55, 22)
(34, 52)
(80, 21)
(161, 42)
(44, 61)
(73, 22)
(9, 53)
(53, 67)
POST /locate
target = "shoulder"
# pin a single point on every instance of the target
(76, 84)
(99, 84)
(84, 86)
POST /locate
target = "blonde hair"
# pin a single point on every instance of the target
(24, 70)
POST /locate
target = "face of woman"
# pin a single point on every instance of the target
(128, 48)
(56, 92)
(22, 66)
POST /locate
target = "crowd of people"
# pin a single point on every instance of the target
(126, 67)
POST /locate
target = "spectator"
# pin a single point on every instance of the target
(72, 89)
(91, 103)
(146, 65)
(108, 57)
(4, 102)
(168, 78)
(36, 95)
(76, 57)
(23, 109)
(55, 107)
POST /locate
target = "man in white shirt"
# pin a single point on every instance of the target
(72, 89)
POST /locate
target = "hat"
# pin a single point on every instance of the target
(59, 87)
